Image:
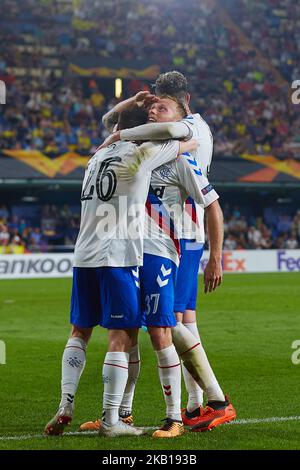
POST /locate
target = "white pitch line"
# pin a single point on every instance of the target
(274, 419)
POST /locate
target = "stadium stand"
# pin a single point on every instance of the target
(240, 76)
(240, 86)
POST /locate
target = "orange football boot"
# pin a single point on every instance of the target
(96, 425)
(171, 428)
(214, 414)
(190, 419)
(91, 425)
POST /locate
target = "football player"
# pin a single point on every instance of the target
(105, 278)
(218, 410)
(159, 269)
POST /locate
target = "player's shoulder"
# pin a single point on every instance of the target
(199, 126)
(195, 119)
(121, 148)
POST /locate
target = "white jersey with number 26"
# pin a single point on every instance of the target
(114, 192)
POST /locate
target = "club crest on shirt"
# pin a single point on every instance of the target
(164, 171)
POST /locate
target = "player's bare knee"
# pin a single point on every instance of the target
(120, 340)
(82, 333)
(161, 338)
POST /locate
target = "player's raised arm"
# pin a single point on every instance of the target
(142, 98)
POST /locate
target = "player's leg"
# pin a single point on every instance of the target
(157, 284)
(168, 368)
(115, 373)
(194, 405)
(134, 365)
(73, 363)
(185, 297)
(187, 341)
(122, 317)
(85, 314)
(117, 340)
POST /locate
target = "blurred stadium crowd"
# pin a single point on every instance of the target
(25, 229)
(52, 228)
(240, 63)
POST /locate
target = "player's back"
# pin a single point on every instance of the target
(106, 200)
(113, 198)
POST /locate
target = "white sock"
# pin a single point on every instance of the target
(170, 379)
(214, 391)
(115, 375)
(73, 362)
(133, 374)
(195, 392)
(193, 355)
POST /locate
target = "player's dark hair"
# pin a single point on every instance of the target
(172, 83)
(132, 117)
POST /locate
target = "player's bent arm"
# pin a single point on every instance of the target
(158, 131)
(110, 119)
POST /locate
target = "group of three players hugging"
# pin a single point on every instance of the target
(144, 196)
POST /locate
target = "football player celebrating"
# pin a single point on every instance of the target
(218, 410)
(105, 278)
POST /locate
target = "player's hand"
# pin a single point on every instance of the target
(212, 275)
(114, 137)
(145, 99)
(188, 146)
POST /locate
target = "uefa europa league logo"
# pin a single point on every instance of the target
(2, 353)
(2, 92)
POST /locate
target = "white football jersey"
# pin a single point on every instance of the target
(171, 184)
(193, 216)
(114, 193)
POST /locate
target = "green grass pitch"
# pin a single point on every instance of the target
(247, 327)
